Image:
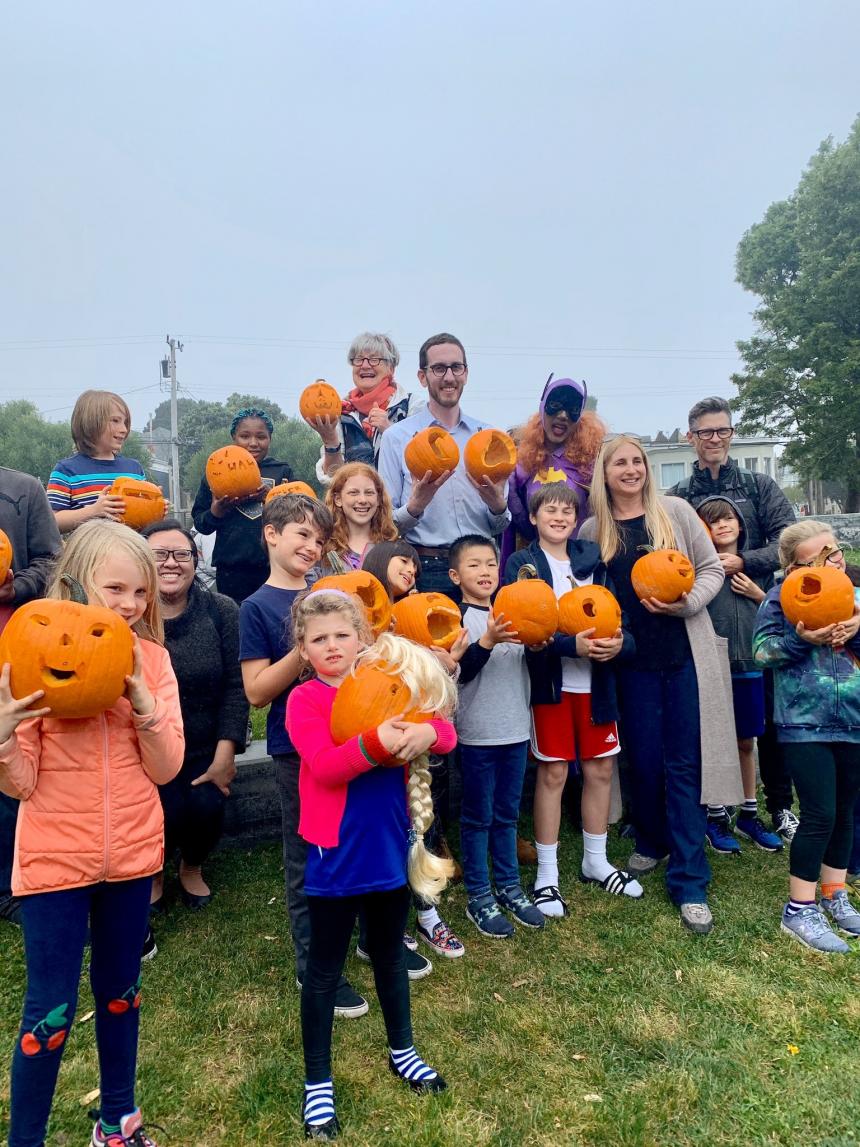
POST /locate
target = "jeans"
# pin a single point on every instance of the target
(492, 786)
(332, 921)
(775, 775)
(827, 779)
(660, 714)
(433, 578)
(286, 767)
(55, 925)
(8, 820)
(193, 814)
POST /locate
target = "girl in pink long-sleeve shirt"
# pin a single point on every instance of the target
(357, 800)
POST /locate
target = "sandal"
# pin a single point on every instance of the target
(615, 883)
(549, 895)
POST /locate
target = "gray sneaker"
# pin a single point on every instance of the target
(809, 926)
(697, 917)
(842, 912)
(639, 864)
(515, 901)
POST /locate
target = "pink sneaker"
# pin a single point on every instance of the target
(131, 1133)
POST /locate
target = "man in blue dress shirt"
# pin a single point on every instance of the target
(433, 514)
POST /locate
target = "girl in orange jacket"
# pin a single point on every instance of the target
(89, 839)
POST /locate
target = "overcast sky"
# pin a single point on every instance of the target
(561, 185)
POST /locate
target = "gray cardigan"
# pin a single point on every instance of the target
(721, 770)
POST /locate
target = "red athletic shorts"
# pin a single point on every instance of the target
(558, 731)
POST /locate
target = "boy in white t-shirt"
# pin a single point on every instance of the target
(574, 710)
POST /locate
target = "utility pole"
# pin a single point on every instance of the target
(174, 345)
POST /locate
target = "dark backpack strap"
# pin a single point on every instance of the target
(750, 486)
(683, 488)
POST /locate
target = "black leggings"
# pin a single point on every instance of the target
(827, 779)
(332, 921)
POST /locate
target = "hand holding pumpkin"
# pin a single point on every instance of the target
(107, 505)
(498, 631)
(584, 642)
(136, 688)
(13, 712)
(7, 591)
(671, 608)
(605, 648)
(327, 426)
(846, 631)
(406, 740)
(491, 493)
(424, 490)
(816, 636)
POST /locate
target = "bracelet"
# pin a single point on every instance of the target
(332, 449)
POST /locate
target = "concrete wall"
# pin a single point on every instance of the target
(253, 812)
(846, 527)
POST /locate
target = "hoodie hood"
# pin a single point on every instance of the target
(742, 536)
(569, 389)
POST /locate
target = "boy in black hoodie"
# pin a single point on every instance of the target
(733, 612)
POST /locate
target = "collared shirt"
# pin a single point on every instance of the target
(457, 507)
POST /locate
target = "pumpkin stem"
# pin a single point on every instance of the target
(526, 572)
(77, 593)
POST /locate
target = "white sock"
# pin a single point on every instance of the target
(594, 862)
(429, 918)
(547, 865)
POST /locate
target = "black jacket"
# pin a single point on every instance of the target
(764, 521)
(28, 520)
(239, 535)
(545, 667)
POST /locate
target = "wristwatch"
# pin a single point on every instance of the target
(332, 449)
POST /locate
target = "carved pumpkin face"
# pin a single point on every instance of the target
(818, 597)
(5, 556)
(589, 607)
(232, 473)
(531, 607)
(319, 400)
(427, 618)
(79, 654)
(431, 449)
(368, 697)
(664, 574)
(492, 453)
(370, 592)
(284, 488)
(144, 501)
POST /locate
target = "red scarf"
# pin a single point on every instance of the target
(363, 401)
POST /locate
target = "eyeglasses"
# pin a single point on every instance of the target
(440, 369)
(832, 559)
(359, 359)
(180, 556)
(721, 432)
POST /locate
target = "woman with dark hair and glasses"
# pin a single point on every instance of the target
(375, 402)
(201, 632)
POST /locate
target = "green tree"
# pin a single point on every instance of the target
(802, 376)
(293, 442)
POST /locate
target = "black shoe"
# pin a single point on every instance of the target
(419, 1086)
(10, 910)
(156, 908)
(192, 900)
(150, 948)
(324, 1131)
(348, 1004)
(417, 966)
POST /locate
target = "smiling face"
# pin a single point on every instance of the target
(625, 471)
(253, 434)
(121, 585)
(365, 376)
(112, 437)
(174, 576)
(445, 391)
(401, 576)
(358, 500)
(711, 451)
(296, 548)
(477, 574)
(554, 522)
(331, 644)
(725, 531)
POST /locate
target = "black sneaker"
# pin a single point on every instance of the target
(417, 966)
(348, 1004)
(150, 948)
(10, 910)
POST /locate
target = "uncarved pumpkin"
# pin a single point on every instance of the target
(284, 488)
(5, 555)
(428, 618)
(492, 453)
(368, 697)
(144, 501)
(530, 606)
(431, 449)
(79, 654)
(589, 607)
(319, 400)
(817, 597)
(370, 592)
(232, 472)
(663, 574)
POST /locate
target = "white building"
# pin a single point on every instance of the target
(672, 457)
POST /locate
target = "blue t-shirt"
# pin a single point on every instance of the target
(77, 481)
(265, 630)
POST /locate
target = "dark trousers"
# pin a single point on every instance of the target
(492, 787)
(854, 861)
(239, 582)
(827, 779)
(775, 775)
(660, 714)
(332, 921)
(55, 925)
(433, 578)
(193, 814)
(286, 767)
(8, 820)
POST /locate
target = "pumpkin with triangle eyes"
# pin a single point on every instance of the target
(320, 400)
(144, 501)
(5, 555)
(663, 574)
(232, 472)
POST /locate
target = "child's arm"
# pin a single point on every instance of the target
(308, 725)
(406, 740)
(264, 680)
(746, 587)
(160, 735)
(775, 642)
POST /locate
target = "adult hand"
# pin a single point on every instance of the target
(414, 739)
(136, 688)
(816, 636)
(746, 587)
(221, 507)
(13, 712)
(378, 418)
(605, 648)
(328, 428)
(498, 631)
(424, 491)
(221, 771)
(670, 608)
(492, 493)
(731, 563)
(584, 643)
(7, 592)
(107, 505)
(846, 631)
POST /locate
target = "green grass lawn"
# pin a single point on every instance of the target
(615, 1026)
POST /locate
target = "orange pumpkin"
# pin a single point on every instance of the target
(428, 618)
(817, 597)
(370, 592)
(492, 453)
(431, 449)
(291, 488)
(79, 654)
(664, 574)
(5, 556)
(144, 501)
(530, 605)
(319, 400)
(232, 473)
(368, 697)
(589, 607)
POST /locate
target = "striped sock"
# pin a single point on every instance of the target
(829, 890)
(319, 1103)
(411, 1066)
(794, 906)
(749, 808)
(717, 812)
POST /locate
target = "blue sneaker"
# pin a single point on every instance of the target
(515, 901)
(809, 926)
(487, 917)
(842, 912)
(753, 829)
(719, 835)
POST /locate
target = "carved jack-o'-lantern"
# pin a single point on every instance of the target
(818, 597)
(663, 574)
(5, 556)
(492, 453)
(370, 592)
(428, 618)
(589, 607)
(368, 697)
(232, 472)
(79, 654)
(530, 605)
(144, 501)
(319, 400)
(284, 488)
(431, 449)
